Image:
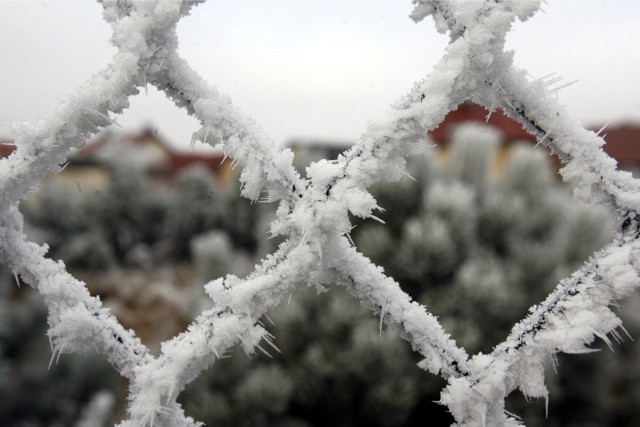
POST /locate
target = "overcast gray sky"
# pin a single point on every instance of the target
(312, 68)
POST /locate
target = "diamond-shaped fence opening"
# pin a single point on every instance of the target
(313, 216)
(151, 106)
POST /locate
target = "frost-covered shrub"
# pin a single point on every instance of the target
(34, 393)
(135, 222)
(90, 250)
(200, 204)
(334, 368)
(99, 228)
(214, 256)
(478, 246)
(130, 211)
(57, 213)
(196, 207)
(502, 242)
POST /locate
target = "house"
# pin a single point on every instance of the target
(622, 140)
(623, 144)
(474, 113)
(149, 152)
(145, 150)
(512, 131)
(6, 147)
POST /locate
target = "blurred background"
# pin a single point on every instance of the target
(312, 68)
(484, 231)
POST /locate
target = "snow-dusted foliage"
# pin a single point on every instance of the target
(313, 215)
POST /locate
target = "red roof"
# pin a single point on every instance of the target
(174, 161)
(6, 147)
(178, 161)
(623, 143)
(122, 138)
(470, 112)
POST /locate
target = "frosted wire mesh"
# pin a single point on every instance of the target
(313, 215)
